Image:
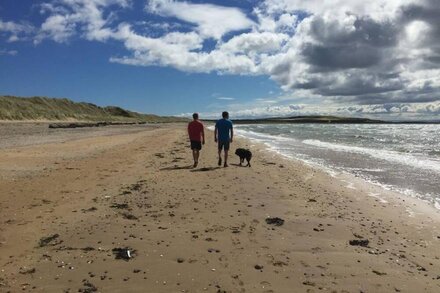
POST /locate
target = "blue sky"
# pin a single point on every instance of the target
(379, 59)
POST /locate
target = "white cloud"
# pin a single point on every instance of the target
(255, 43)
(8, 52)
(167, 51)
(189, 41)
(68, 17)
(287, 21)
(211, 20)
(57, 27)
(226, 98)
(15, 31)
(377, 9)
(417, 110)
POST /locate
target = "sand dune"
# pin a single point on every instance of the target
(124, 212)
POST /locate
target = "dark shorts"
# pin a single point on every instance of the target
(196, 145)
(223, 144)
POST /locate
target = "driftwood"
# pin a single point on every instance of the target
(90, 124)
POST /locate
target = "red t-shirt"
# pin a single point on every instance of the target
(195, 130)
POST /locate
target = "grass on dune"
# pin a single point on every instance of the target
(53, 109)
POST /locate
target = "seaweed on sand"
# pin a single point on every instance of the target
(45, 241)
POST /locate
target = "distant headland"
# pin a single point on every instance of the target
(323, 120)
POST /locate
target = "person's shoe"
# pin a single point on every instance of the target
(225, 165)
(219, 161)
(195, 164)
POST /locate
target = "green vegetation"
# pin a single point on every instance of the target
(52, 109)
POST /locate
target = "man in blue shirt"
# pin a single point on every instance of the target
(223, 135)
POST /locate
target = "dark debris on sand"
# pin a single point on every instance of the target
(309, 283)
(45, 241)
(88, 248)
(120, 206)
(359, 242)
(275, 221)
(135, 187)
(92, 209)
(129, 216)
(379, 273)
(123, 253)
(26, 271)
(88, 287)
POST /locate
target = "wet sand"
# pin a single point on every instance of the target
(72, 206)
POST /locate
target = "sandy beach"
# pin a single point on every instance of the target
(74, 201)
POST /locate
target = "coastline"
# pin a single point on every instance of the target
(394, 171)
(374, 189)
(201, 230)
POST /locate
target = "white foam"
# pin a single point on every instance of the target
(391, 156)
(374, 170)
(350, 185)
(261, 136)
(376, 195)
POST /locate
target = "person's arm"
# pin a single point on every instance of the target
(189, 135)
(215, 133)
(232, 132)
(203, 135)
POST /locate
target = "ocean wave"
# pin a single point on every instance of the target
(390, 156)
(261, 136)
(416, 155)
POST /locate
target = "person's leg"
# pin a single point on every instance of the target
(219, 154)
(195, 157)
(226, 158)
(226, 147)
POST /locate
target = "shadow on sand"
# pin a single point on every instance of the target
(177, 168)
(205, 169)
(238, 165)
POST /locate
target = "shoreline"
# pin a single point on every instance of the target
(378, 190)
(356, 183)
(340, 174)
(203, 229)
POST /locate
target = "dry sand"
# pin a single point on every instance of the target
(68, 201)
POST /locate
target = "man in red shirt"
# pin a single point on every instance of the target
(196, 135)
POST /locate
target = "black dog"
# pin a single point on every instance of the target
(244, 154)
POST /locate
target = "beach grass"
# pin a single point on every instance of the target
(53, 109)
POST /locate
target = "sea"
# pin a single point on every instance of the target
(400, 157)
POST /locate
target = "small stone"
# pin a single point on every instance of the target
(275, 221)
(309, 283)
(359, 242)
(379, 273)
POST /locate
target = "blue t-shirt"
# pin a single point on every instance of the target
(223, 126)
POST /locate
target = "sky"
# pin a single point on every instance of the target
(377, 59)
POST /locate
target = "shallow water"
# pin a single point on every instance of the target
(404, 157)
